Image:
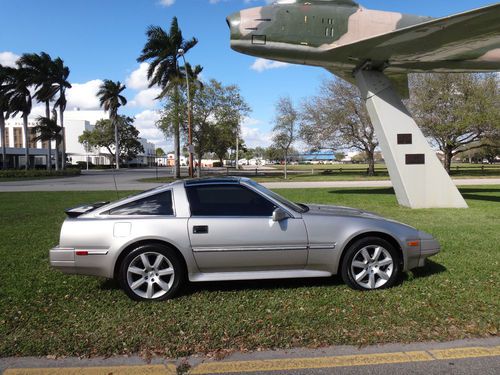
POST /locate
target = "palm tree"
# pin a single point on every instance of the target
(162, 52)
(39, 67)
(20, 100)
(4, 108)
(49, 77)
(60, 74)
(48, 130)
(110, 98)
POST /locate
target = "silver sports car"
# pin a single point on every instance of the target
(232, 229)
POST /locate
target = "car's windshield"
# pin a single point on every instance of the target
(285, 202)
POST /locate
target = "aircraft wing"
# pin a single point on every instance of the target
(468, 41)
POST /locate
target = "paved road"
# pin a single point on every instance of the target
(127, 180)
(481, 356)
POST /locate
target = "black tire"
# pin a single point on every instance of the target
(151, 277)
(355, 253)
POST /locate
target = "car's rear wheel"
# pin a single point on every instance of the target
(151, 272)
(371, 263)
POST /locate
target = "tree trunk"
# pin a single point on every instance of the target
(286, 162)
(198, 170)
(448, 155)
(237, 153)
(49, 158)
(63, 137)
(26, 140)
(117, 142)
(58, 145)
(177, 140)
(47, 115)
(371, 162)
(2, 135)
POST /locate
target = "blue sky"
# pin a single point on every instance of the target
(101, 39)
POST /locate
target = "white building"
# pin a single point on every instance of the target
(75, 123)
(148, 157)
(15, 145)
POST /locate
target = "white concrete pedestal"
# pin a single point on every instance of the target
(418, 177)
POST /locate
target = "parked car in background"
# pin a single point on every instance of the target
(232, 229)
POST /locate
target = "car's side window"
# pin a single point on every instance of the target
(227, 200)
(158, 204)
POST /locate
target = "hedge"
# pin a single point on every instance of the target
(30, 173)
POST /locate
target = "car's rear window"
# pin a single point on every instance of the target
(157, 204)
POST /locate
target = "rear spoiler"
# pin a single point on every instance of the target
(80, 210)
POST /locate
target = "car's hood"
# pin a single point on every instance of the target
(325, 210)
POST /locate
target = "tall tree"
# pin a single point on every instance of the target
(50, 79)
(60, 74)
(111, 99)
(20, 101)
(5, 82)
(285, 127)
(103, 135)
(162, 52)
(337, 118)
(39, 68)
(47, 130)
(456, 110)
(218, 113)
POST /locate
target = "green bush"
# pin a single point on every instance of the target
(217, 164)
(30, 173)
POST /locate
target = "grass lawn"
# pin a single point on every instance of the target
(343, 172)
(46, 312)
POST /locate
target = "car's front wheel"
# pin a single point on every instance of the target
(371, 263)
(151, 272)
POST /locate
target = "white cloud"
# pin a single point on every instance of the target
(145, 122)
(8, 58)
(84, 95)
(260, 65)
(138, 79)
(266, 1)
(166, 3)
(253, 135)
(146, 98)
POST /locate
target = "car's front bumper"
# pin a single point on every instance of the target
(428, 248)
(95, 262)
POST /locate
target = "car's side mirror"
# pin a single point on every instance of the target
(280, 214)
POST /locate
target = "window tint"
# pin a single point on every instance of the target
(158, 204)
(227, 200)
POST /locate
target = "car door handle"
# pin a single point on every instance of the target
(200, 229)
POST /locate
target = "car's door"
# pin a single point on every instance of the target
(231, 229)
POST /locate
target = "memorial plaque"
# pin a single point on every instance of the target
(405, 139)
(415, 159)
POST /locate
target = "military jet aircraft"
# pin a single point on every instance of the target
(376, 50)
(343, 36)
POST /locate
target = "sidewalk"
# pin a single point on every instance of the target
(386, 183)
(464, 356)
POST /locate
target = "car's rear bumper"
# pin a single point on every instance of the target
(94, 262)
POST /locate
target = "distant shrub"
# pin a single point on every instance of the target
(217, 164)
(30, 173)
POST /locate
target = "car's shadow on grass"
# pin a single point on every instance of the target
(241, 285)
(431, 268)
